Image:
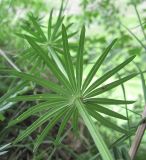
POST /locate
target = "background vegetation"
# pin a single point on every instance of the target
(104, 21)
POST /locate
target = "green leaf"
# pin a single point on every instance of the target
(57, 60)
(68, 60)
(34, 109)
(12, 91)
(56, 29)
(57, 49)
(45, 83)
(108, 101)
(97, 65)
(63, 124)
(54, 68)
(79, 63)
(125, 154)
(124, 137)
(58, 22)
(60, 33)
(98, 108)
(44, 133)
(4, 148)
(117, 153)
(109, 74)
(37, 123)
(75, 117)
(45, 96)
(72, 34)
(110, 85)
(105, 121)
(33, 34)
(104, 151)
(50, 25)
(37, 27)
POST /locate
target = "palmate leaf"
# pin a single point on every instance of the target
(60, 32)
(57, 49)
(107, 101)
(12, 91)
(42, 82)
(46, 96)
(109, 74)
(101, 109)
(72, 45)
(37, 27)
(53, 40)
(50, 25)
(79, 63)
(54, 68)
(97, 65)
(33, 28)
(58, 22)
(33, 35)
(110, 86)
(39, 122)
(56, 29)
(37, 108)
(105, 122)
(67, 57)
(63, 124)
(44, 133)
(71, 98)
(57, 60)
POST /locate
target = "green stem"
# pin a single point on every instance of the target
(139, 19)
(142, 81)
(98, 140)
(126, 108)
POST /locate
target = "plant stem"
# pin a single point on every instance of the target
(138, 40)
(126, 108)
(8, 60)
(98, 140)
(138, 137)
(142, 81)
(139, 19)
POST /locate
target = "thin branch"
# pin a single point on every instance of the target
(2, 53)
(139, 19)
(138, 137)
(126, 108)
(134, 36)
